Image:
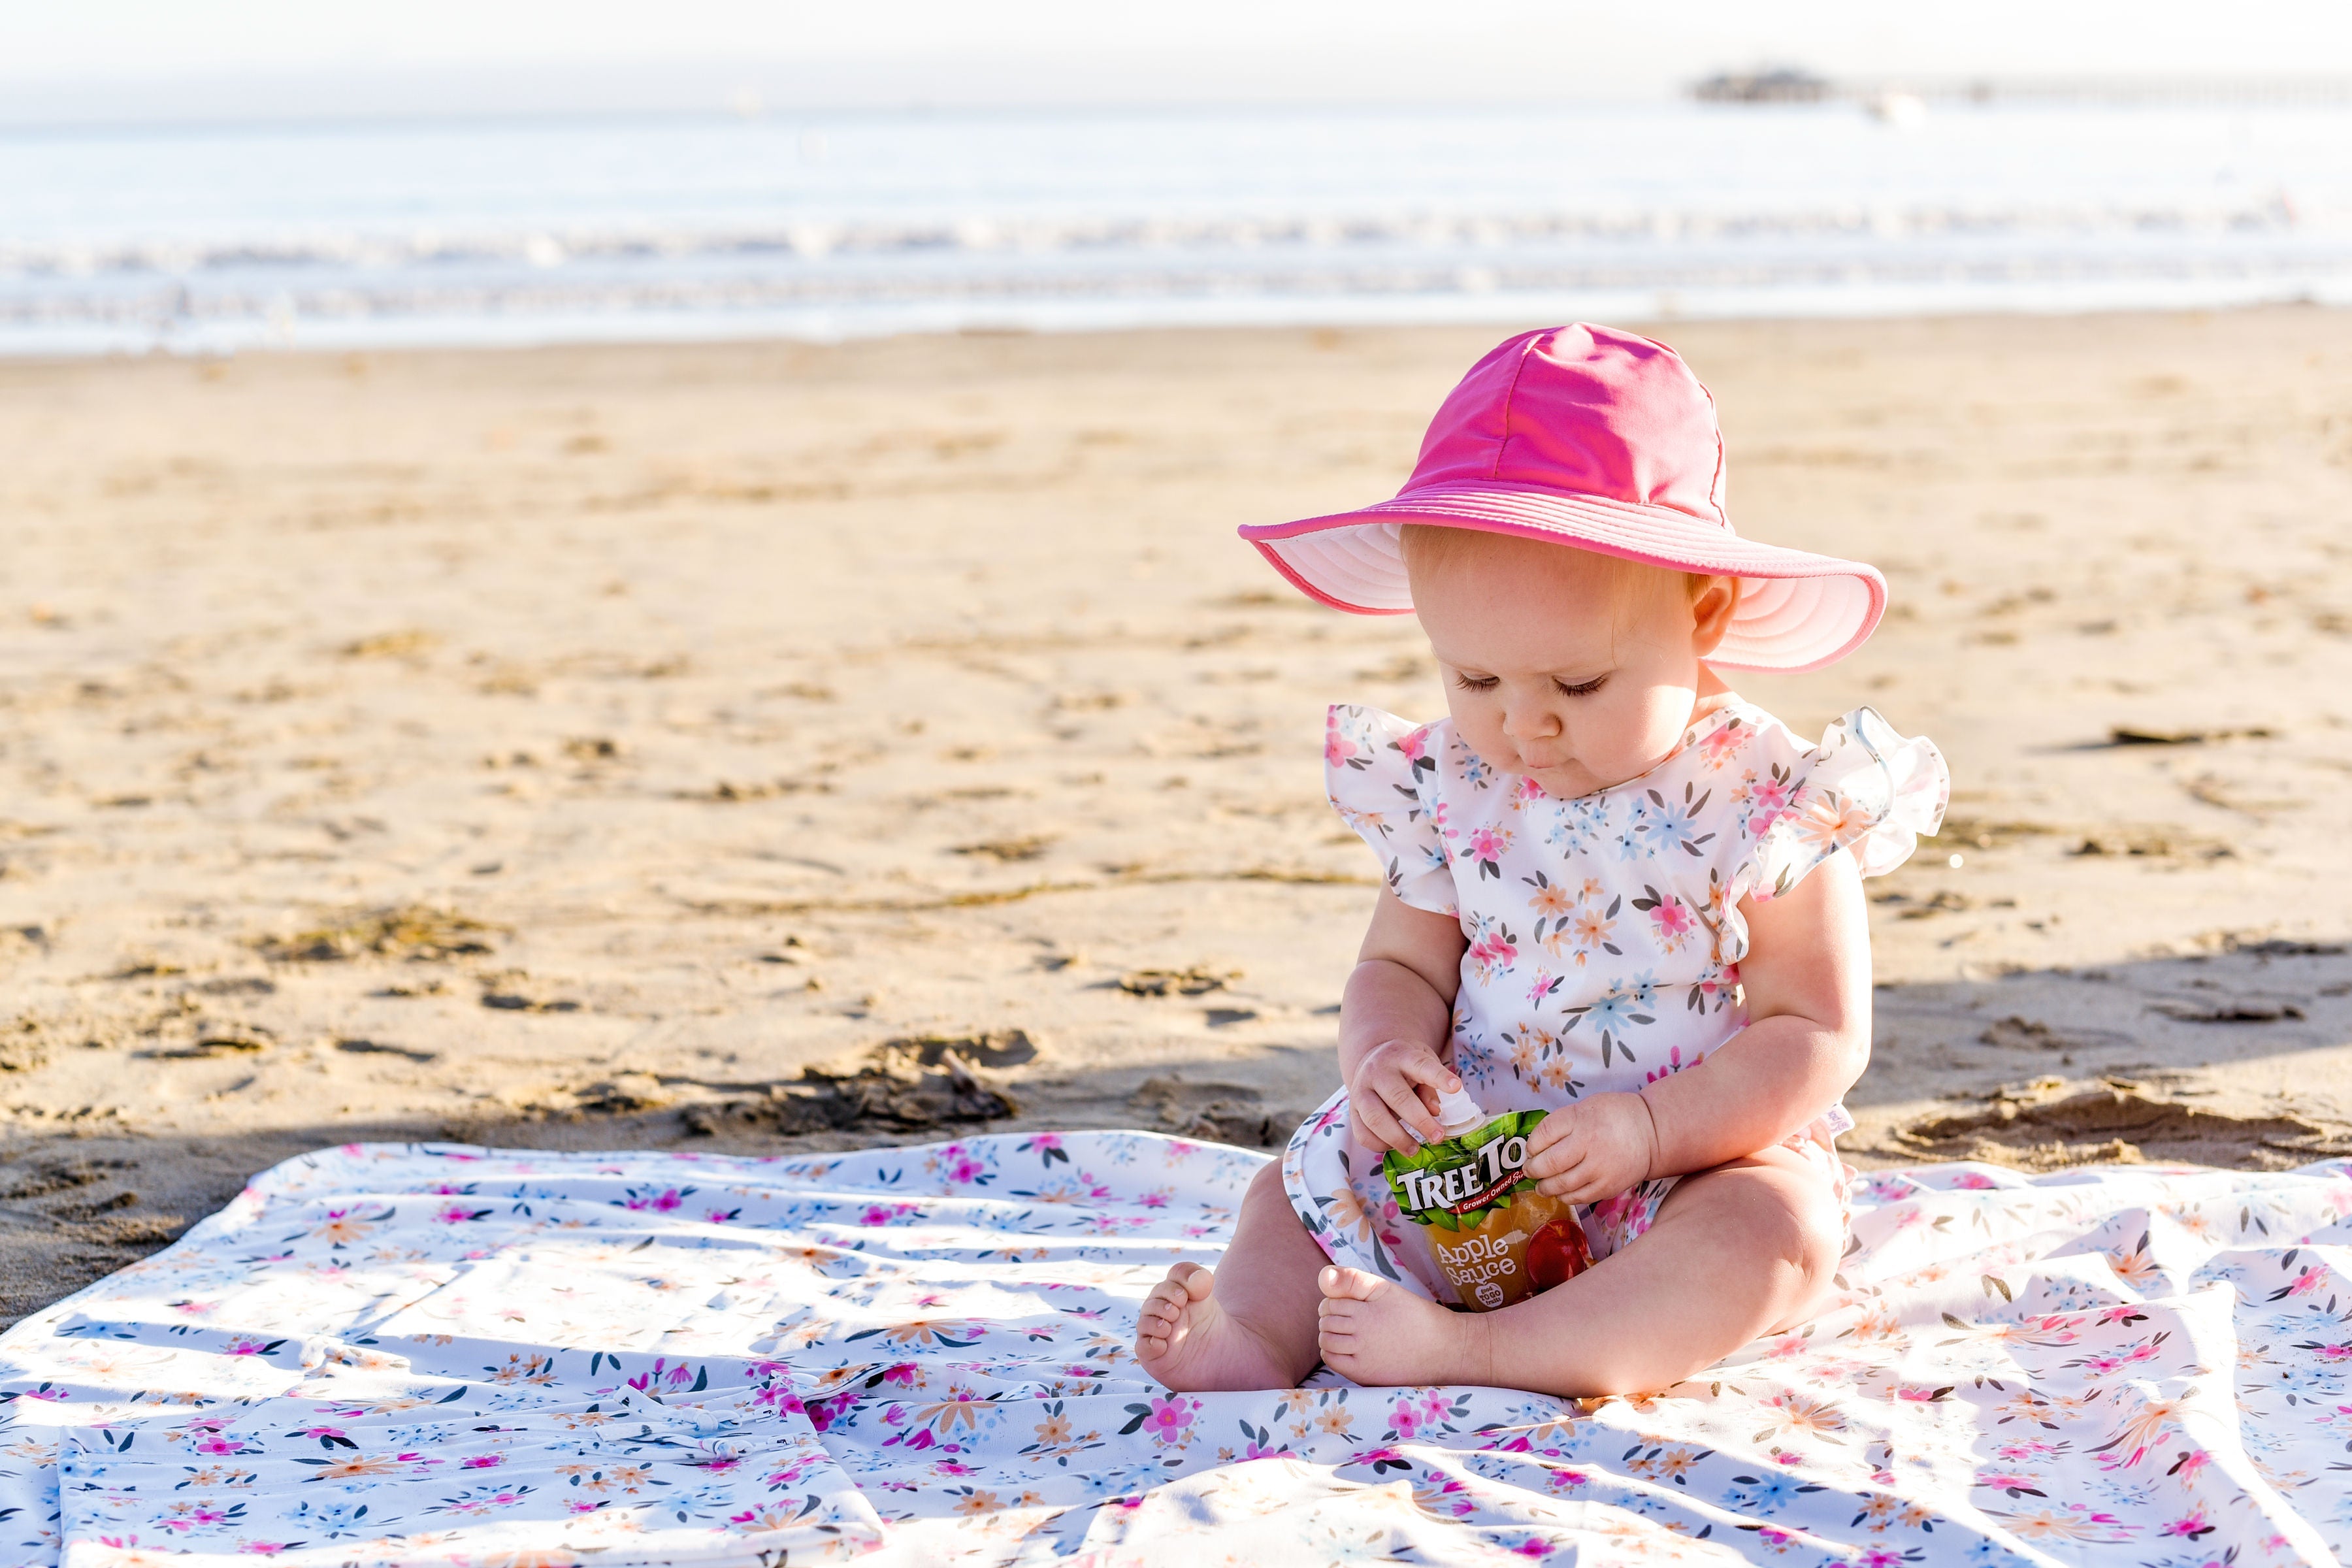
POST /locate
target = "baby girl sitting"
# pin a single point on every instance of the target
(1614, 891)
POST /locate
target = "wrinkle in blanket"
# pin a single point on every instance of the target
(433, 1355)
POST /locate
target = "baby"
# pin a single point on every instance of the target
(1615, 891)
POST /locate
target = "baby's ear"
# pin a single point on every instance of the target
(1716, 601)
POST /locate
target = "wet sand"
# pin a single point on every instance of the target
(610, 747)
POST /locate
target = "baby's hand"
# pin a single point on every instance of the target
(1594, 1149)
(1387, 1103)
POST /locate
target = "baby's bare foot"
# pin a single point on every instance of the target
(1191, 1345)
(1380, 1334)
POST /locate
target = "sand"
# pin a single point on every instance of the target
(623, 747)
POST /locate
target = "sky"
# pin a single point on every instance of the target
(147, 58)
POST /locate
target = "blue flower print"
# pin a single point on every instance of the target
(1673, 823)
(1609, 1018)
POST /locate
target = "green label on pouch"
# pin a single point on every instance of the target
(1456, 1182)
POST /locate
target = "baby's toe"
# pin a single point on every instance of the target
(1340, 1283)
(1194, 1280)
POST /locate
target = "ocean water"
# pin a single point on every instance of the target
(332, 235)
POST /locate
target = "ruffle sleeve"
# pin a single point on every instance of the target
(1380, 773)
(1864, 789)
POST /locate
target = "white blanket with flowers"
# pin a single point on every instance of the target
(433, 1354)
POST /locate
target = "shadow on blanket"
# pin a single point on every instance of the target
(446, 1355)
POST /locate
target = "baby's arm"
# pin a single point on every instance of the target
(1395, 1018)
(1807, 978)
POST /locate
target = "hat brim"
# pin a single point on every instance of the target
(1798, 611)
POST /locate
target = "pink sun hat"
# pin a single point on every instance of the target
(1599, 439)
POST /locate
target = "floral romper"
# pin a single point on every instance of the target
(1604, 933)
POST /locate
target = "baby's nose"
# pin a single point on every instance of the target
(1530, 723)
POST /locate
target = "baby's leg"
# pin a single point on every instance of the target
(1734, 1252)
(1252, 1324)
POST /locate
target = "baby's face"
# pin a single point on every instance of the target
(1559, 666)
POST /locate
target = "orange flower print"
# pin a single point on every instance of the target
(1525, 1055)
(1549, 900)
(1594, 930)
(1346, 1212)
(358, 1468)
(1829, 820)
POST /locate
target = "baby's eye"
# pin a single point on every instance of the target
(1585, 690)
(1477, 682)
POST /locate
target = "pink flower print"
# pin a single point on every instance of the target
(1720, 747)
(1545, 983)
(1338, 750)
(2304, 1284)
(1526, 793)
(1413, 1412)
(483, 1462)
(1493, 953)
(1673, 1065)
(2190, 1525)
(191, 1519)
(1165, 1419)
(1487, 845)
(1670, 918)
(1973, 1180)
(1257, 1448)
(963, 1167)
(1770, 799)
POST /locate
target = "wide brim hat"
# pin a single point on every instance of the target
(1600, 440)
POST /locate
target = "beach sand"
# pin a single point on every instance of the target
(604, 747)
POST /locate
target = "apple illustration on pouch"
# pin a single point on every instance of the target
(1556, 1254)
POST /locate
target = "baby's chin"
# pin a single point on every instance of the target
(1568, 782)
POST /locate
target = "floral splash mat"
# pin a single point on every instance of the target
(427, 1353)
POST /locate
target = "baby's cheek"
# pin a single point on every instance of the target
(1477, 722)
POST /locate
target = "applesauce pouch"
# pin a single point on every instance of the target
(1495, 1237)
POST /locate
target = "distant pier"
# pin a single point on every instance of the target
(1790, 84)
